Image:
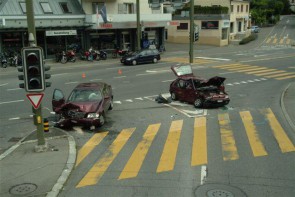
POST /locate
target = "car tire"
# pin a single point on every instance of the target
(173, 96)
(134, 62)
(102, 119)
(111, 105)
(155, 60)
(198, 102)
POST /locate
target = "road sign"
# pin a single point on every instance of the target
(35, 99)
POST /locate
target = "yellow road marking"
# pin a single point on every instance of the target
(275, 41)
(279, 75)
(288, 41)
(100, 167)
(134, 164)
(227, 65)
(252, 69)
(268, 40)
(168, 157)
(89, 146)
(199, 149)
(260, 71)
(282, 40)
(284, 142)
(229, 148)
(288, 77)
(270, 73)
(255, 143)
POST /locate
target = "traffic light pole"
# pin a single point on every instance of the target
(138, 24)
(191, 42)
(38, 120)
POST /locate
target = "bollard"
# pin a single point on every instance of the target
(46, 125)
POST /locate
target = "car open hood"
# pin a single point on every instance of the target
(215, 81)
(182, 70)
(81, 106)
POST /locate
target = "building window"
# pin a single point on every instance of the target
(247, 8)
(182, 26)
(231, 8)
(126, 8)
(23, 7)
(46, 7)
(238, 8)
(224, 34)
(231, 27)
(64, 7)
(96, 7)
(242, 8)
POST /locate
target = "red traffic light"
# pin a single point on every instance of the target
(32, 58)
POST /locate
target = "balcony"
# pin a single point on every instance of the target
(127, 20)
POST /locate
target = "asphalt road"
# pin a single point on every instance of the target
(149, 149)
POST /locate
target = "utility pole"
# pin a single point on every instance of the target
(38, 120)
(191, 41)
(138, 24)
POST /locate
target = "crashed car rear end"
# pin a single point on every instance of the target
(198, 91)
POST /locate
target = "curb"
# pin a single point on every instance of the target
(67, 170)
(284, 108)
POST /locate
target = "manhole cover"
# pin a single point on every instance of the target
(23, 189)
(218, 190)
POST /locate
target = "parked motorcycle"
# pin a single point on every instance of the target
(61, 56)
(3, 60)
(71, 56)
(120, 52)
(102, 55)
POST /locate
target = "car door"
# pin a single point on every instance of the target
(142, 57)
(180, 89)
(58, 99)
(188, 92)
(106, 97)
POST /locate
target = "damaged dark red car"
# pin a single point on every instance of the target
(87, 105)
(200, 92)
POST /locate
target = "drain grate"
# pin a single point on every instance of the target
(219, 193)
(23, 189)
(218, 190)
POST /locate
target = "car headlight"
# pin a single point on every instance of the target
(128, 59)
(93, 115)
(226, 96)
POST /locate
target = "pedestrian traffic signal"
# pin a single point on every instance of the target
(47, 76)
(196, 33)
(33, 69)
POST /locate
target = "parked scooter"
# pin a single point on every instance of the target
(102, 55)
(71, 56)
(3, 60)
(120, 52)
(61, 57)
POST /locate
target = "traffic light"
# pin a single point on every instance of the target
(47, 76)
(33, 69)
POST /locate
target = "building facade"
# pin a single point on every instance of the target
(61, 24)
(217, 26)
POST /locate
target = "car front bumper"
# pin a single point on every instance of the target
(216, 102)
(87, 122)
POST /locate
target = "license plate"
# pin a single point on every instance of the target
(219, 101)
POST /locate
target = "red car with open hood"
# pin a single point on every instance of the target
(198, 91)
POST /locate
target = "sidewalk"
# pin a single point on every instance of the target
(27, 173)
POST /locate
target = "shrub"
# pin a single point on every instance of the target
(253, 36)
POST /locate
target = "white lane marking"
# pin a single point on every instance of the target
(14, 89)
(4, 84)
(16, 118)
(72, 82)
(168, 80)
(260, 55)
(7, 102)
(95, 79)
(119, 77)
(118, 102)
(256, 80)
(237, 83)
(250, 81)
(150, 71)
(243, 82)
(139, 98)
(229, 84)
(226, 73)
(129, 100)
(212, 58)
(59, 74)
(263, 79)
(203, 174)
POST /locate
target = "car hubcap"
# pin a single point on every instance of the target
(173, 96)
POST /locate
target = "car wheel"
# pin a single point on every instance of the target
(111, 105)
(198, 102)
(155, 60)
(102, 119)
(173, 96)
(134, 62)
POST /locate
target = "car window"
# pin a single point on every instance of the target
(155, 51)
(143, 53)
(181, 83)
(148, 52)
(79, 95)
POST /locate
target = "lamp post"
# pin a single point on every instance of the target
(191, 41)
(138, 24)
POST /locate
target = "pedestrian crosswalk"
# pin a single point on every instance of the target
(275, 40)
(186, 60)
(200, 130)
(258, 71)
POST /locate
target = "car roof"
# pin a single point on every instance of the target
(92, 85)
